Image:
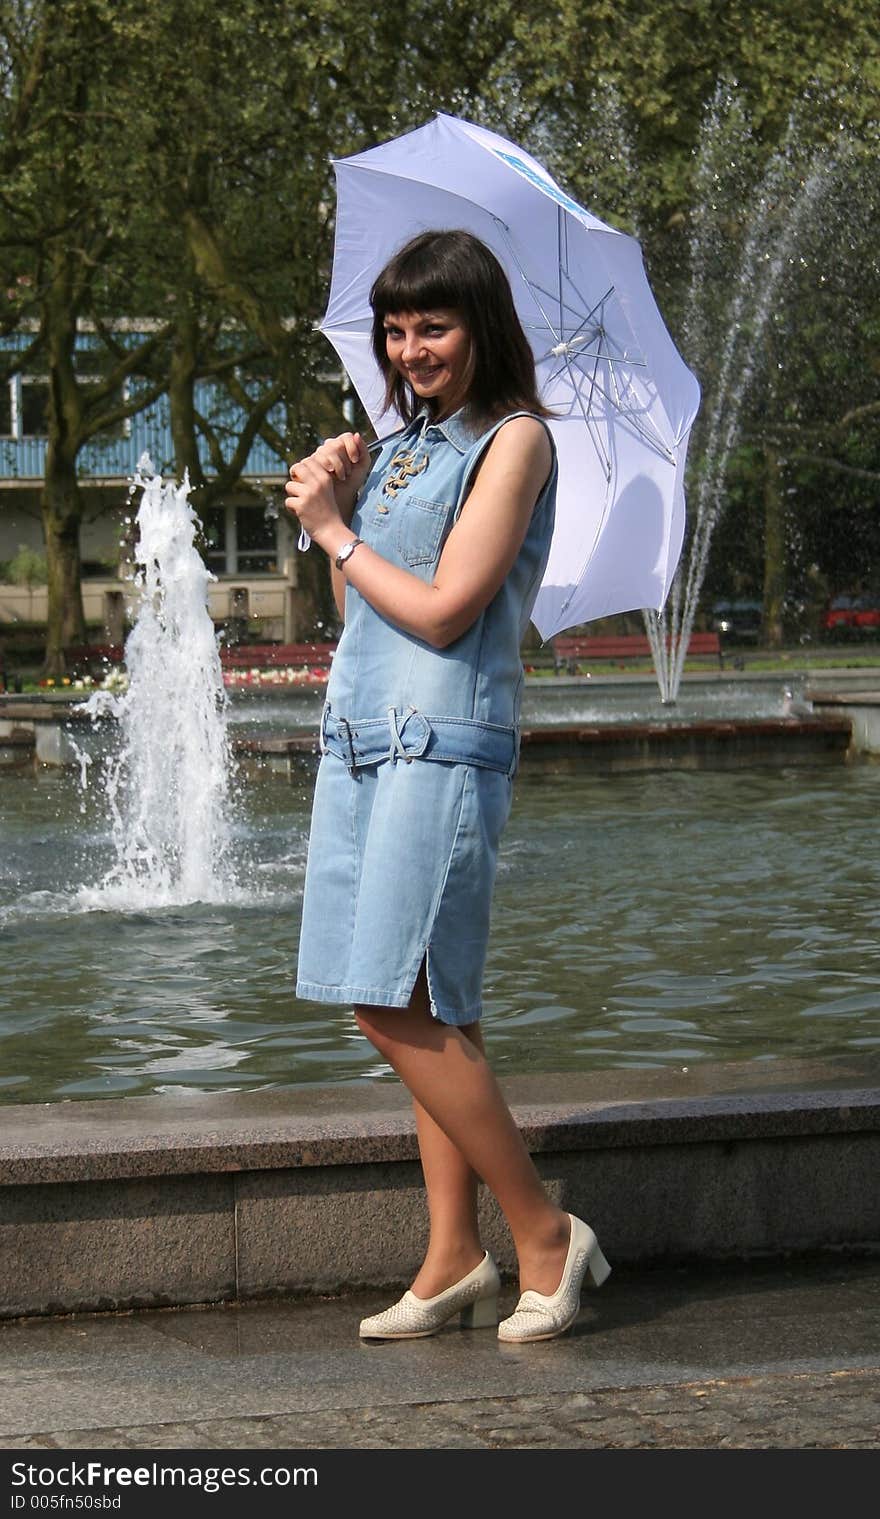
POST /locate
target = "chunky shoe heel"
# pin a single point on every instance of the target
(483, 1314)
(598, 1269)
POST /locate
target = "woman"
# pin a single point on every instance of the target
(438, 549)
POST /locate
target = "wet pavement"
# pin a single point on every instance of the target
(766, 1355)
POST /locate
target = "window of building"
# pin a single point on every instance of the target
(30, 418)
(214, 527)
(34, 407)
(7, 418)
(241, 540)
(257, 541)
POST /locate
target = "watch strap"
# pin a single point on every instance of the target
(346, 551)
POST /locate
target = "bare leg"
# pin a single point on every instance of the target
(454, 1246)
(449, 1078)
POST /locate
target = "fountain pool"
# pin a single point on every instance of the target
(640, 920)
(150, 921)
(550, 702)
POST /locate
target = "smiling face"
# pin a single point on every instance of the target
(432, 351)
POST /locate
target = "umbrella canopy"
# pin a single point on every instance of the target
(623, 398)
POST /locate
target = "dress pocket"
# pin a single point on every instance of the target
(420, 529)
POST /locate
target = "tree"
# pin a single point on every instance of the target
(63, 210)
(244, 204)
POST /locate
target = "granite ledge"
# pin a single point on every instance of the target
(112, 1140)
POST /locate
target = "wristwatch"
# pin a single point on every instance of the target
(346, 551)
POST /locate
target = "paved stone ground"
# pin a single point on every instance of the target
(783, 1356)
(836, 1411)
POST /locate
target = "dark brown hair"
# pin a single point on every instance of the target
(457, 270)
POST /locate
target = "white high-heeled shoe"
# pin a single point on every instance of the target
(475, 1298)
(539, 1316)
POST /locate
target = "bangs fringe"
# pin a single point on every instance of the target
(415, 284)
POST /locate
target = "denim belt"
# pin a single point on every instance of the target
(408, 734)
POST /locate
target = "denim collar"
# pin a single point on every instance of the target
(461, 430)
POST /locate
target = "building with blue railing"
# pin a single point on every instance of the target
(252, 548)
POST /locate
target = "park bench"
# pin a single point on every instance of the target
(571, 651)
(92, 658)
(272, 656)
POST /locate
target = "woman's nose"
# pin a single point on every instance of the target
(412, 348)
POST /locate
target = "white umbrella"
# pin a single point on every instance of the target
(623, 397)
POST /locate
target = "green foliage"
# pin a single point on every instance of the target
(27, 567)
(172, 161)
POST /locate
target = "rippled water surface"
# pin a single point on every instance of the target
(640, 920)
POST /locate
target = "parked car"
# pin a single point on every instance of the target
(852, 617)
(737, 621)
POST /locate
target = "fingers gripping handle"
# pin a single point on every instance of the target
(304, 542)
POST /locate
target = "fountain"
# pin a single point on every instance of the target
(167, 780)
(725, 351)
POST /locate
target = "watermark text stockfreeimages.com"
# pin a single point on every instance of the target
(42, 1482)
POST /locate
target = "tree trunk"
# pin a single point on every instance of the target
(775, 551)
(60, 503)
(181, 395)
(62, 510)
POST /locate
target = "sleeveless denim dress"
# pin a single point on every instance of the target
(419, 747)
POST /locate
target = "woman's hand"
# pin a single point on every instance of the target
(347, 458)
(310, 497)
(346, 463)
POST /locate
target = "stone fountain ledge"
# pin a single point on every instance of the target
(844, 724)
(714, 743)
(860, 707)
(315, 1189)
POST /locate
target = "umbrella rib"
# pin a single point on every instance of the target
(607, 358)
(619, 402)
(550, 295)
(602, 331)
(506, 233)
(590, 404)
(590, 422)
(583, 300)
(600, 525)
(653, 438)
(560, 234)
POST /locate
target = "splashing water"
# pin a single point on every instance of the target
(785, 200)
(167, 783)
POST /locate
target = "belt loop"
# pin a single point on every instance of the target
(396, 750)
(345, 730)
